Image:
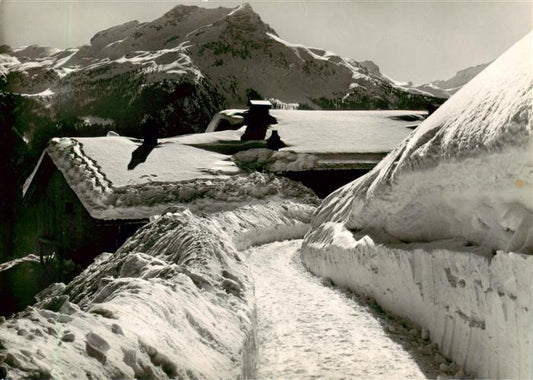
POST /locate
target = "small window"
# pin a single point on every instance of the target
(69, 208)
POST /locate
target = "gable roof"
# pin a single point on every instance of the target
(97, 171)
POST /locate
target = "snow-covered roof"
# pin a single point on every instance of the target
(97, 171)
(260, 103)
(326, 132)
(343, 131)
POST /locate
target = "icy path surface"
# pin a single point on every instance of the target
(308, 330)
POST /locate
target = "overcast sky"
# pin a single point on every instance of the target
(410, 40)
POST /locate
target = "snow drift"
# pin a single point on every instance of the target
(419, 232)
(465, 172)
(175, 301)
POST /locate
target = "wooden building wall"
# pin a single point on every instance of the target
(54, 220)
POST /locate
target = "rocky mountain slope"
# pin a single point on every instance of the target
(184, 66)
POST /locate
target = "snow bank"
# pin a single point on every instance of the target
(464, 172)
(175, 301)
(172, 175)
(461, 183)
(476, 309)
(31, 258)
(274, 161)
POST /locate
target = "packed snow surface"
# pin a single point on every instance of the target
(308, 330)
(440, 231)
(172, 174)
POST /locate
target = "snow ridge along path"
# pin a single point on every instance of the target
(175, 301)
(308, 330)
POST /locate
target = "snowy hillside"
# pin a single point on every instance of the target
(419, 232)
(188, 64)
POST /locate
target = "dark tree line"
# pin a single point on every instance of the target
(25, 128)
(12, 156)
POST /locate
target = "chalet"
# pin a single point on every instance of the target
(85, 197)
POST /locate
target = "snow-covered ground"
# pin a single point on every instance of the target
(181, 300)
(308, 330)
(175, 301)
(440, 232)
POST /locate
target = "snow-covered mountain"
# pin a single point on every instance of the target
(445, 88)
(190, 63)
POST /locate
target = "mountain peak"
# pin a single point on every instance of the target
(115, 33)
(243, 8)
(371, 67)
(245, 18)
(181, 11)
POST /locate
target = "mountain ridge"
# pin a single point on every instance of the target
(191, 62)
(448, 87)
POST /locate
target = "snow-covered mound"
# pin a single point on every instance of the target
(274, 161)
(418, 233)
(99, 172)
(465, 172)
(175, 301)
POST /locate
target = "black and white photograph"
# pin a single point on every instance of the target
(266, 190)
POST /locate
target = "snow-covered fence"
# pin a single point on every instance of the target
(175, 301)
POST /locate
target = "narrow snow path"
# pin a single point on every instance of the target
(308, 330)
